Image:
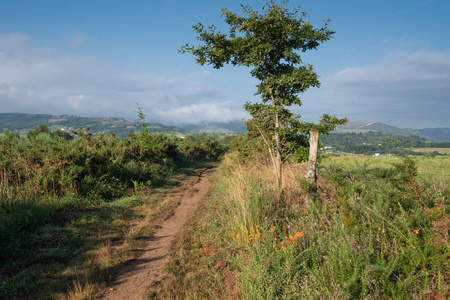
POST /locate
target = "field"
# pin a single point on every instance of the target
(376, 229)
(431, 150)
(73, 211)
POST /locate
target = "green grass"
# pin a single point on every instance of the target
(375, 229)
(202, 266)
(444, 151)
(49, 248)
(425, 151)
(72, 210)
(431, 171)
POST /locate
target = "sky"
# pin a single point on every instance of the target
(389, 61)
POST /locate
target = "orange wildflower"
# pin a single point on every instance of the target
(291, 239)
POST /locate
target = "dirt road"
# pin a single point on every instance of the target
(134, 277)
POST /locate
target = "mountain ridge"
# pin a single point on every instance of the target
(24, 122)
(116, 125)
(441, 134)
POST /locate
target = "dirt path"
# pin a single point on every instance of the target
(135, 276)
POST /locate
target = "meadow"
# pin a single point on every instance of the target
(377, 228)
(445, 151)
(72, 210)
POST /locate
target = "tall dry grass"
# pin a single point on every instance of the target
(367, 233)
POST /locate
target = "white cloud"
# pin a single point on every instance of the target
(43, 80)
(77, 39)
(404, 89)
(210, 111)
(422, 66)
(14, 40)
(76, 101)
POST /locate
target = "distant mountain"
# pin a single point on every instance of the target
(439, 134)
(366, 126)
(217, 127)
(119, 126)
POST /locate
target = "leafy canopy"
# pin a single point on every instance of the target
(269, 43)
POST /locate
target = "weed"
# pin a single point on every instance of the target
(375, 230)
(63, 201)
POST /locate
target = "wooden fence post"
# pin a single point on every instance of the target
(311, 175)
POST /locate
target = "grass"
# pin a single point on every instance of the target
(202, 266)
(432, 172)
(376, 229)
(57, 253)
(430, 150)
(71, 210)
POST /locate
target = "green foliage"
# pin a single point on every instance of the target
(369, 233)
(202, 147)
(43, 133)
(103, 167)
(55, 191)
(270, 42)
(9, 136)
(249, 149)
(28, 238)
(371, 142)
(262, 126)
(40, 129)
(267, 42)
(141, 117)
(118, 126)
(63, 134)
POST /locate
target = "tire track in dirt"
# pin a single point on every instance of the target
(135, 276)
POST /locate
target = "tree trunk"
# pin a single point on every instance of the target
(311, 175)
(278, 160)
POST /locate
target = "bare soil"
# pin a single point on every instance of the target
(133, 278)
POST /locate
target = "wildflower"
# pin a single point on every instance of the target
(272, 230)
(298, 235)
(291, 239)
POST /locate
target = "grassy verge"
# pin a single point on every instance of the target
(202, 264)
(377, 229)
(51, 249)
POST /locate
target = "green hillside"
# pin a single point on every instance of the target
(366, 126)
(217, 127)
(119, 126)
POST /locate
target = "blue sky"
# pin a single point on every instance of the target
(389, 61)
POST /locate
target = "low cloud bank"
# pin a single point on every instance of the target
(405, 89)
(43, 80)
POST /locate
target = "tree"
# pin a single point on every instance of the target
(270, 43)
(141, 118)
(41, 128)
(63, 134)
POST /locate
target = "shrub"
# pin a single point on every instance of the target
(367, 234)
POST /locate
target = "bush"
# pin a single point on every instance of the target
(55, 195)
(202, 147)
(369, 233)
